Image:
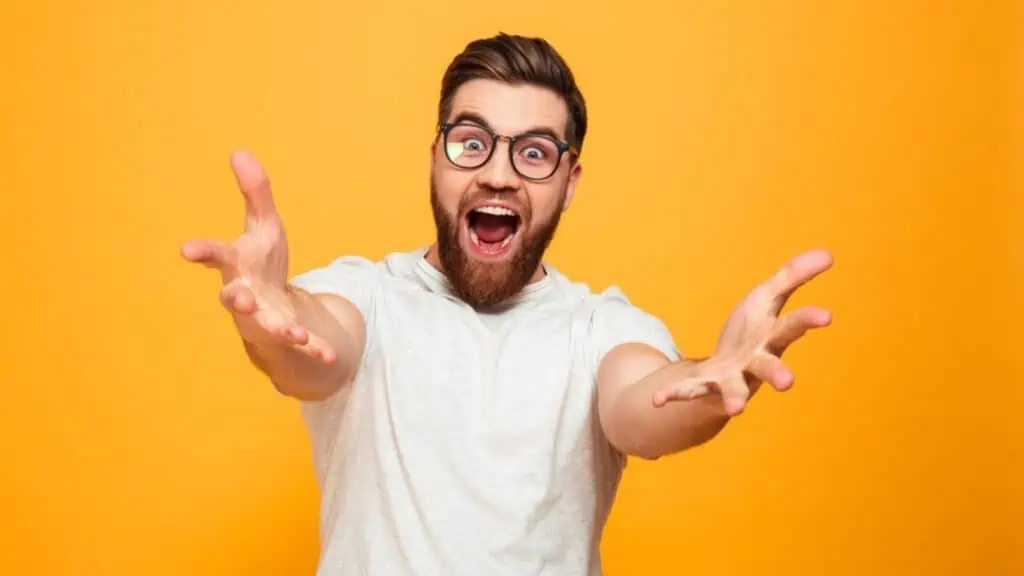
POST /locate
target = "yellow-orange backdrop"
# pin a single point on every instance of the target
(725, 138)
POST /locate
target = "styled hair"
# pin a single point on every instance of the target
(517, 59)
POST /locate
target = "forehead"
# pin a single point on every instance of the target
(511, 109)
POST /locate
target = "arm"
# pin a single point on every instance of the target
(628, 378)
(651, 407)
(309, 345)
(304, 376)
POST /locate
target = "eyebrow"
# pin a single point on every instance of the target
(479, 120)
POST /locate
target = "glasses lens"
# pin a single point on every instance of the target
(535, 156)
(468, 146)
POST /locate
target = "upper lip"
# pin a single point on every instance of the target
(496, 203)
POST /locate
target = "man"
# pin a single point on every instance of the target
(471, 409)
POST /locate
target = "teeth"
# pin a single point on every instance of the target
(495, 210)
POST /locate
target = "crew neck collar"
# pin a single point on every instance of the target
(436, 281)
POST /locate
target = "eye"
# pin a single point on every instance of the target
(468, 140)
(533, 153)
(474, 145)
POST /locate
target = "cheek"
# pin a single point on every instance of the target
(450, 185)
(545, 202)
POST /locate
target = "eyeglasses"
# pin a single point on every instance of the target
(533, 156)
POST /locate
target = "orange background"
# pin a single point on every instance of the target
(726, 137)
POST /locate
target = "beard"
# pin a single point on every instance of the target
(486, 284)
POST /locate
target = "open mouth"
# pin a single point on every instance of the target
(492, 229)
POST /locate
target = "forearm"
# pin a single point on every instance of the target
(296, 373)
(635, 426)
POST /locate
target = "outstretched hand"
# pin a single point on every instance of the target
(755, 336)
(254, 268)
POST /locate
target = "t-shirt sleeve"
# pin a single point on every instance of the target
(615, 320)
(353, 278)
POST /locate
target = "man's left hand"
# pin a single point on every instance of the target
(751, 344)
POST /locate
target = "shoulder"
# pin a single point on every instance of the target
(613, 319)
(607, 308)
(346, 269)
(342, 268)
(356, 278)
(613, 313)
(339, 276)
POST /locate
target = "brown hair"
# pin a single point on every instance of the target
(517, 60)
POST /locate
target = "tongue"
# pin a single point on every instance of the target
(493, 229)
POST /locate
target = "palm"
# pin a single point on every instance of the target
(748, 327)
(261, 265)
(262, 253)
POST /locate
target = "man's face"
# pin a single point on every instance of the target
(493, 225)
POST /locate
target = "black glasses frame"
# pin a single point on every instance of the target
(445, 128)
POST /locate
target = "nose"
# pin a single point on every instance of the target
(498, 173)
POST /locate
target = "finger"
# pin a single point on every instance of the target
(210, 253)
(735, 394)
(794, 325)
(255, 187)
(297, 335)
(309, 344)
(319, 348)
(769, 368)
(679, 392)
(796, 273)
(237, 297)
(292, 334)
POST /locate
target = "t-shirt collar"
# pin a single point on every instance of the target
(435, 281)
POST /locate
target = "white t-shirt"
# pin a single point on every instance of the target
(469, 443)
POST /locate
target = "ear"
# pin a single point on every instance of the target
(570, 189)
(433, 154)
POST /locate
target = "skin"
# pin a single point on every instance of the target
(506, 110)
(651, 407)
(310, 345)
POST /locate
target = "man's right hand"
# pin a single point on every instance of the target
(309, 345)
(254, 270)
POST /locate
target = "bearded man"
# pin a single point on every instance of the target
(471, 408)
